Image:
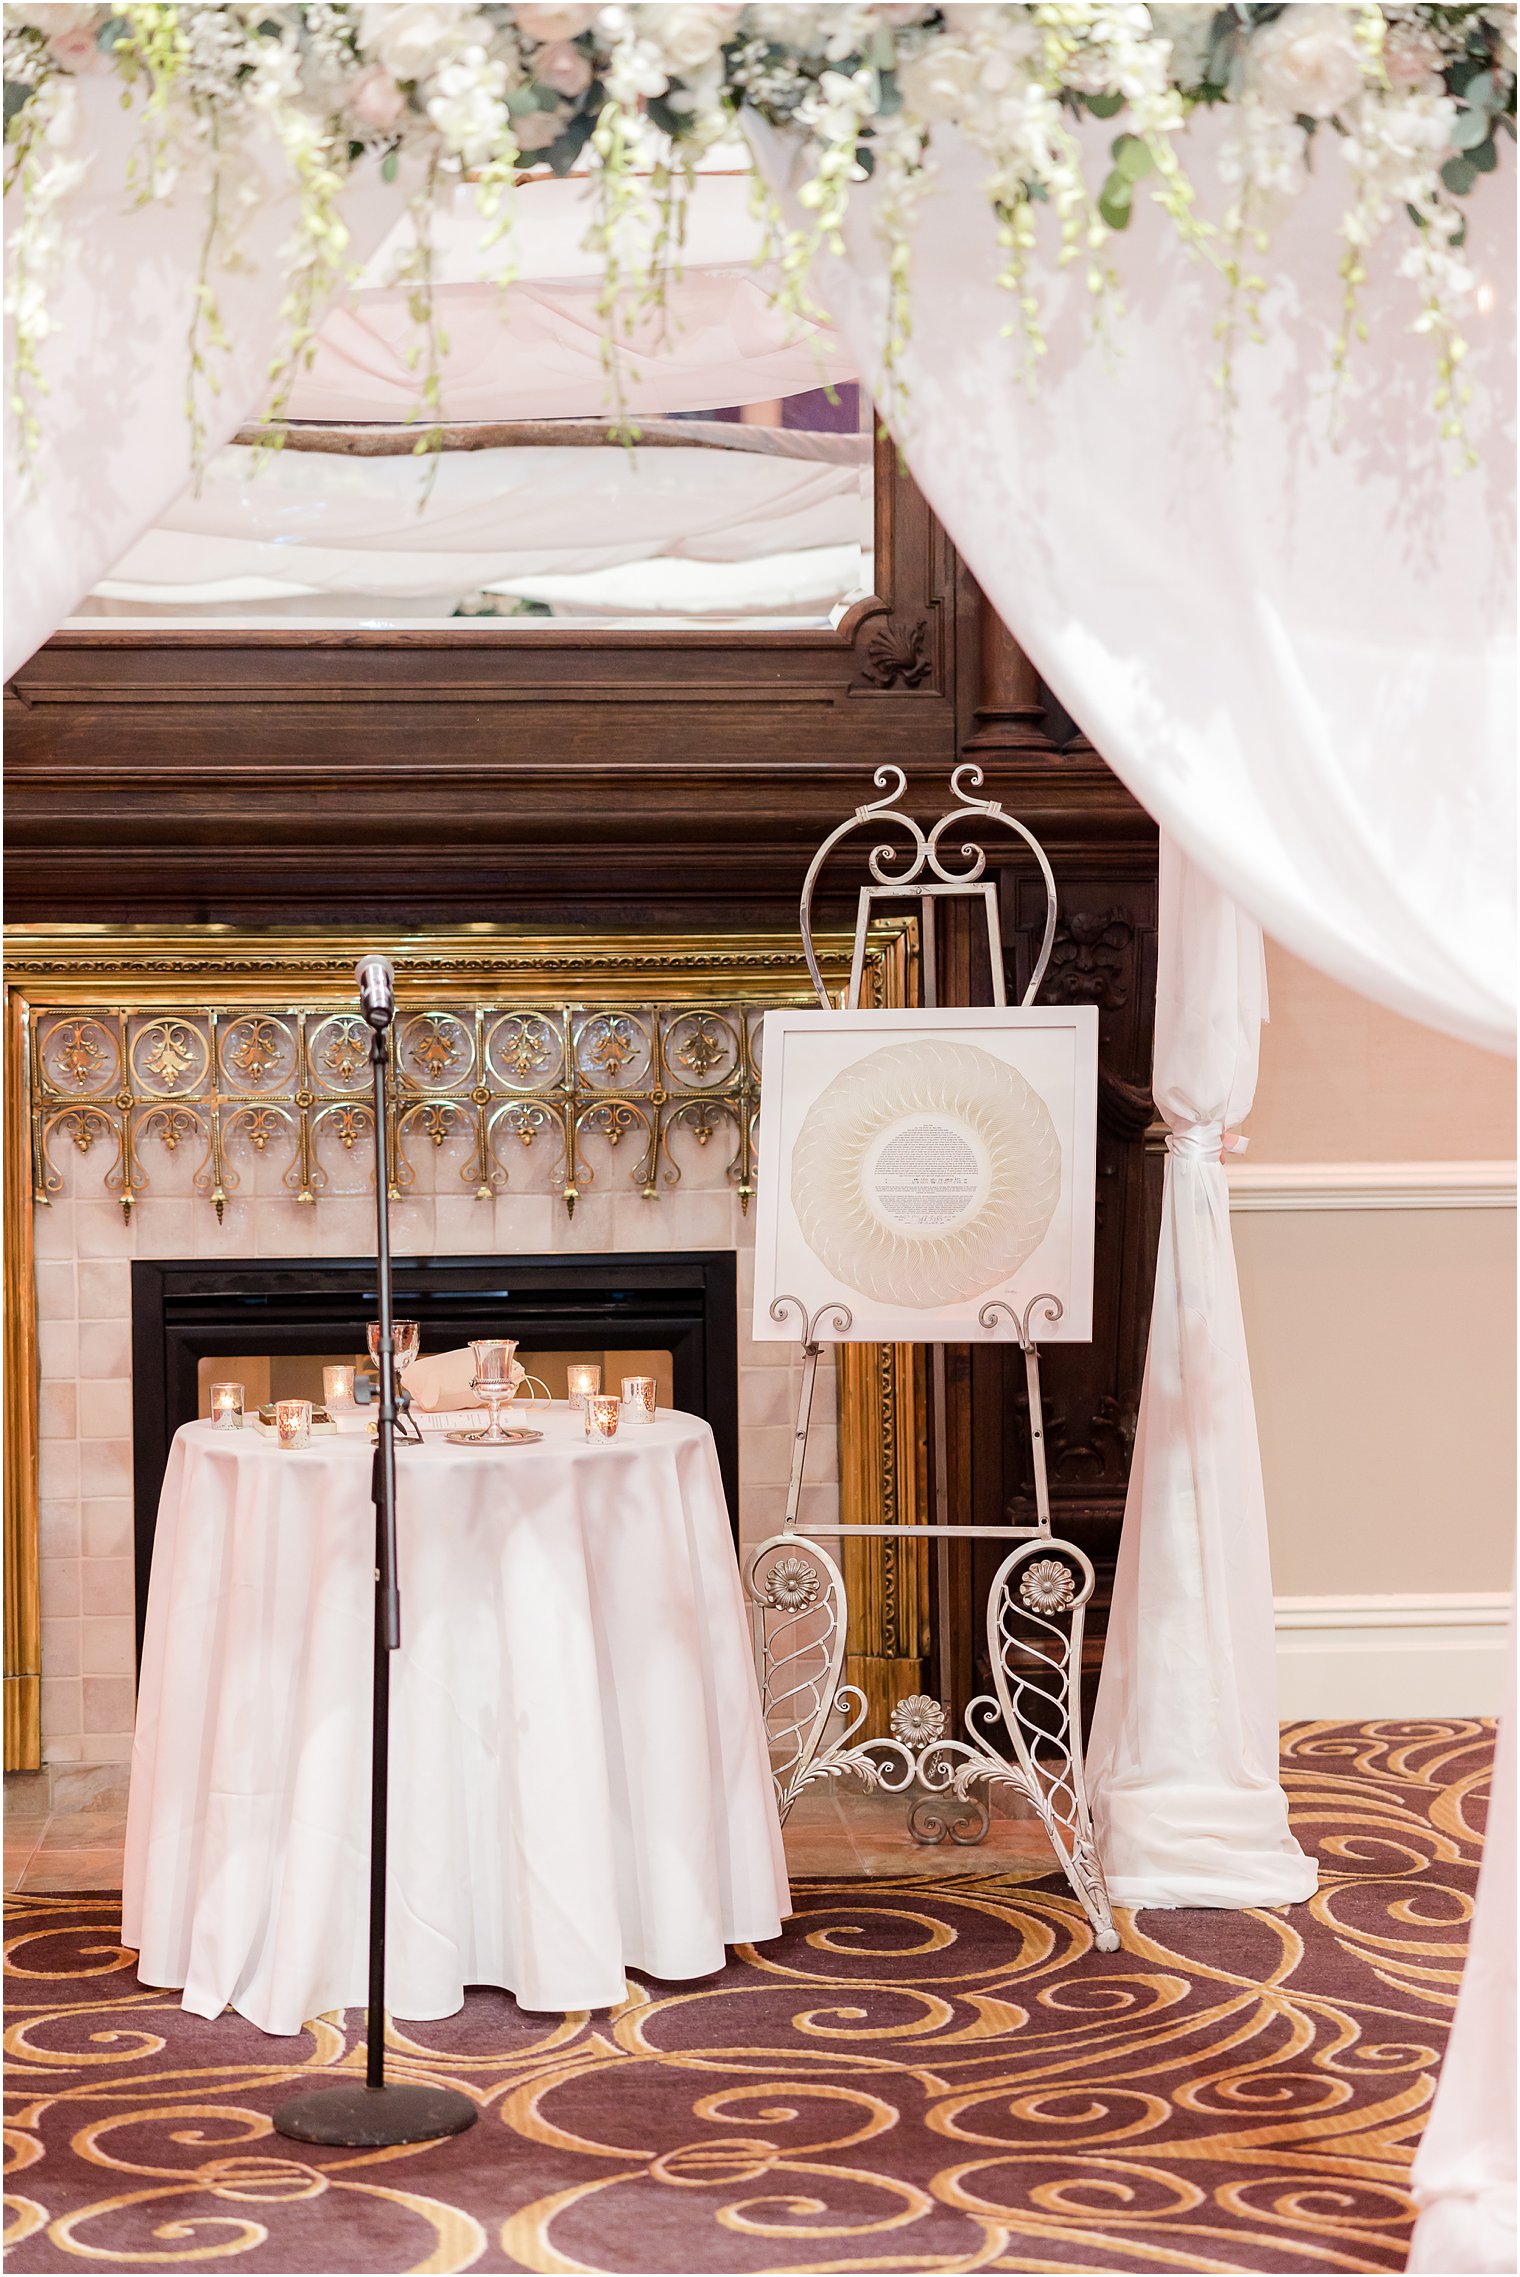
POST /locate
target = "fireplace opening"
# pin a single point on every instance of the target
(669, 1314)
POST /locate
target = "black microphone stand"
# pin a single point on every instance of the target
(378, 2113)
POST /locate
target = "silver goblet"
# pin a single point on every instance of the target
(494, 1382)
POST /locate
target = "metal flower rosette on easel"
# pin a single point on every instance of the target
(1024, 1735)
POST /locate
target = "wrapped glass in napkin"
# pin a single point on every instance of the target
(445, 1380)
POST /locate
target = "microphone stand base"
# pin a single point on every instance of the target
(359, 2117)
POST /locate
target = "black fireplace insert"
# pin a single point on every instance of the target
(186, 1312)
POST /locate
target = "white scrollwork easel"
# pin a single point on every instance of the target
(1041, 1588)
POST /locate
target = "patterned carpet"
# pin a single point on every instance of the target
(939, 2075)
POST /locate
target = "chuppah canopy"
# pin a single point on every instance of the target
(1283, 621)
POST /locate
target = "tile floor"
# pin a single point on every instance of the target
(68, 1835)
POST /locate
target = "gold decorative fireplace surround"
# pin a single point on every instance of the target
(124, 1046)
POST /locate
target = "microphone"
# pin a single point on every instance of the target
(377, 990)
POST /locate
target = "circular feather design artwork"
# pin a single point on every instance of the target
(926, 1173)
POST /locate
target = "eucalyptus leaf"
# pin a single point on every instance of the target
(1132, 158)
(1114, 201)
(1481, 92)
(17, 95)
(390, 165)
(1485, 157)
(563, 153)
(1459, 175)
(1469, 128)
(113, 29)
(1105, 106)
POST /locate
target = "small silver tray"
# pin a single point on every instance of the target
(513, 1437)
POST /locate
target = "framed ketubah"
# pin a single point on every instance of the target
(917, 1167)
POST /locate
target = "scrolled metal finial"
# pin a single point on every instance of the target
(894, 782)
(988, 1315)
(838, 1315)
(964, 780)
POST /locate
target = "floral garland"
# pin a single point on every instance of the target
(1419, 97)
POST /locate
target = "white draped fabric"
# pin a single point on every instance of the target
(537, 350)
(518, 519)
(1296, 652)
(1296, 649)
(116, 445)
(1182, 1760)
(1464, 2171)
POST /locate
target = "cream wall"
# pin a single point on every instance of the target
(1344, 1081)
(1379, 1297)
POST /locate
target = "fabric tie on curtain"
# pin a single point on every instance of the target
(1205, 1141)
(1182, 1762)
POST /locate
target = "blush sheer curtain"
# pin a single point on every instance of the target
(1293, 641)
(116, 446)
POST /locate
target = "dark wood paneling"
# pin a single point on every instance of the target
(554, 776)
(540, 774)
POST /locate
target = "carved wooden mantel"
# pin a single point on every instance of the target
(639, 783)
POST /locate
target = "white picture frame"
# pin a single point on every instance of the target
(917, 1167)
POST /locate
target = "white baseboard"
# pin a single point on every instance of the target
(1368, 1657)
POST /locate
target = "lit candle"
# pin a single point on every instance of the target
(602, 1410)
(292, 1421)
(583, 1381)
(638, 1398)
(337, 1388)
(227, 1407)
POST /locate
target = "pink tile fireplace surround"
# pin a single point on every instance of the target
(84, 1257)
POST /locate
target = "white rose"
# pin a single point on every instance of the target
(413, 40)
(1189, 33)
(563, 67)
(686, 37)
(940, 81)
(1412, 59)
(535, 130)
(466, 106)
(1305, 63)
(53, 19)
(546, 23)
(375, 99)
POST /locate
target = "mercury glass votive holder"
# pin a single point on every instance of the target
(638, 1398)
(292, 1422)
(583, 1380)
(602, 1412)
(406, 1339)
(337, 1388)
(227, 1407)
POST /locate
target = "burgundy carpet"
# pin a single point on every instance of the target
(931, 2075)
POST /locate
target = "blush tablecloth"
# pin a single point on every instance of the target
(579, 1781)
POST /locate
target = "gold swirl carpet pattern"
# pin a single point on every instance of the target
(921, 2075)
